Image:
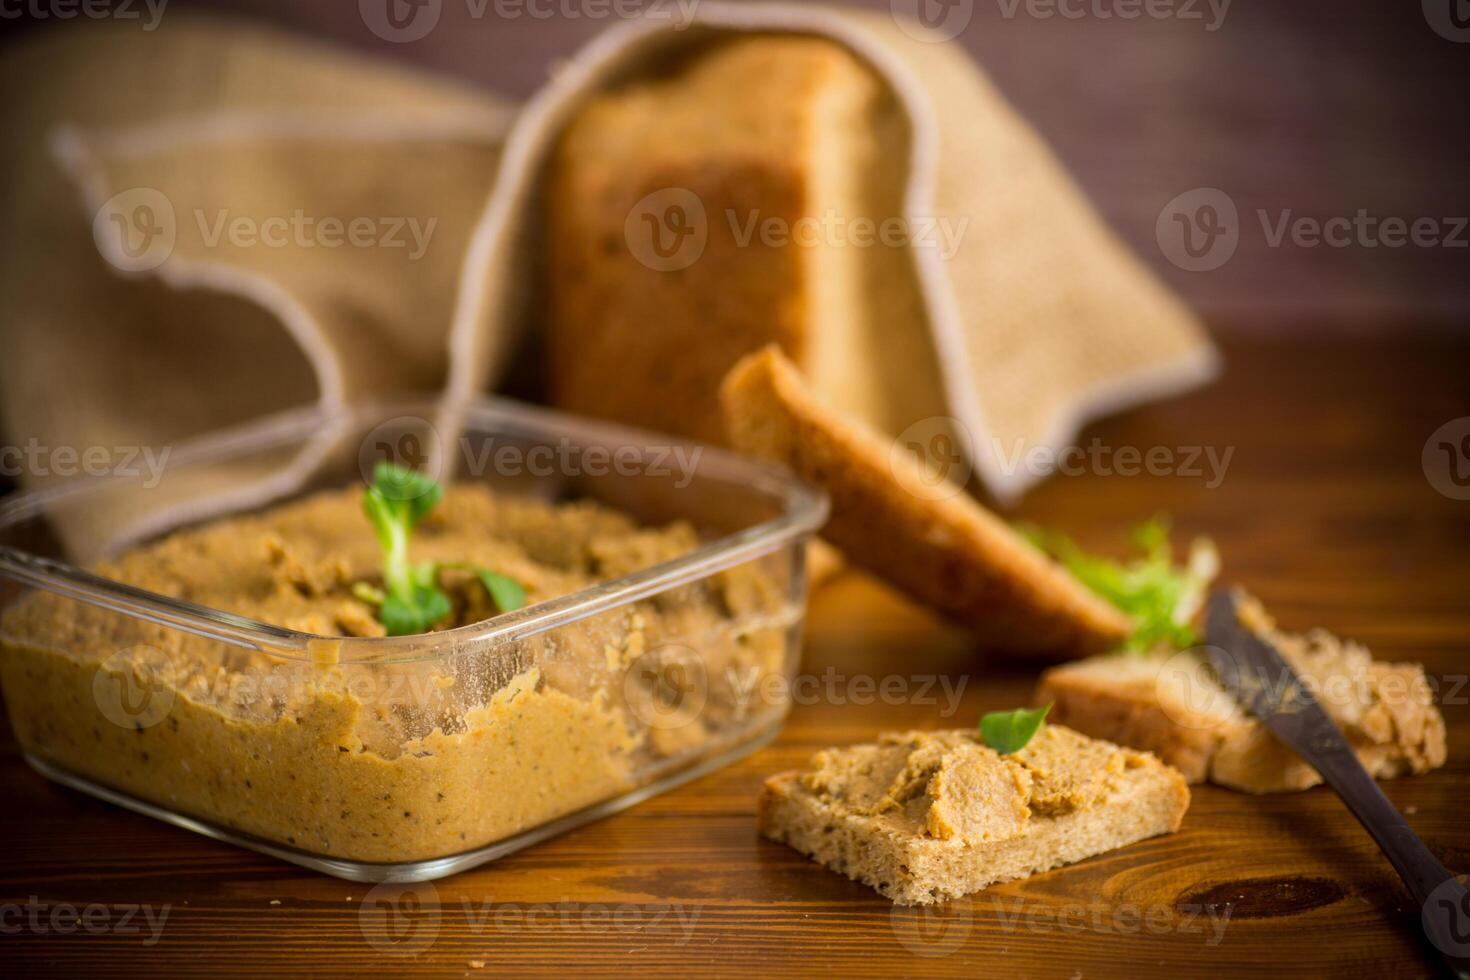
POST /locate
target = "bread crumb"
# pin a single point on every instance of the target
(477, 964)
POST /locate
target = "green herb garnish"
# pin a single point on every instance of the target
(1009, 731)
(1160, 597)
(411, 599)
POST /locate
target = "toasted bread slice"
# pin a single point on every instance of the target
(928, 816)
(944, 550)
(1171, 705)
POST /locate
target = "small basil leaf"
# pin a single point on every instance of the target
(1009, 731)
(434, 605)
(399, 617)
(505, 592)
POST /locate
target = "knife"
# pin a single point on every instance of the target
(1263, 682)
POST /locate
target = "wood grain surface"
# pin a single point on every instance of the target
(1324, 510)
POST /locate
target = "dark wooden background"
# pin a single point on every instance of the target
(1341, 362)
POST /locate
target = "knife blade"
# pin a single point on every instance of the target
(1267, 687)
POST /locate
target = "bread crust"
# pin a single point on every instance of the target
(950, 554)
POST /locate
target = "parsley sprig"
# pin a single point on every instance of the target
(411, 599)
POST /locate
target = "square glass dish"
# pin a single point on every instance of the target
(662, 649)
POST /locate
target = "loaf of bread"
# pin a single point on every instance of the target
(925, 817)
(733, 201)
(943, 549)
(1172, 705)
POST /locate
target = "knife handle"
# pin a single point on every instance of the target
(1443, 900)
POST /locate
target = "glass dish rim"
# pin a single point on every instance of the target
(804, 509)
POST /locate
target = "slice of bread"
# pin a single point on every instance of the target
(943, 549)
(925, 817)
(1172, 705)
(763, 164)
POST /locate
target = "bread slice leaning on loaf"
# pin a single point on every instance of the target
(925, 817)
(1171, 705)
(945, 550)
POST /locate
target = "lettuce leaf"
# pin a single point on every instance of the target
(1161, 597)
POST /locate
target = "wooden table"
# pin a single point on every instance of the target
(1324, 511)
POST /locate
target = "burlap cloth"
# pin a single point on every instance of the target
(141, 306)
